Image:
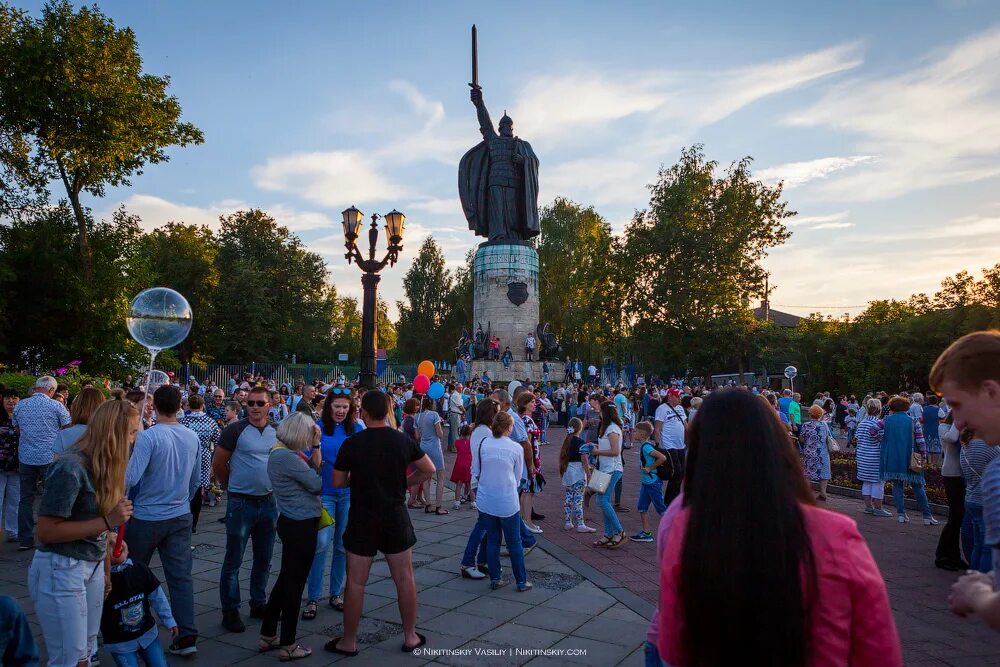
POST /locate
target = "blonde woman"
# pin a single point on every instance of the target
(79, 413)
(82, 500)
(297, 485)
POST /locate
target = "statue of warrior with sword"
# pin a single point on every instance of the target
(498, 178)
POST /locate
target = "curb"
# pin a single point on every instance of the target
(599, 579)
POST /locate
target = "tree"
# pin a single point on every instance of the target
(273, 299)
(579, 299)
(691, 261)
(59, 314)
(183, 257)
(426, 285)
(72, 84)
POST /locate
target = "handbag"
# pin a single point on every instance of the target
(831, 442)
(916, 464)
(325, 519)
(599, 481)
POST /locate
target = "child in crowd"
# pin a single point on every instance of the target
(851, 422)
(651, 490)
(129, 630)
(461, 472)
(574, 467)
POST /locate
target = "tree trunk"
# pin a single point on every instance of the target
(81, 220)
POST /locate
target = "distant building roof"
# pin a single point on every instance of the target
(784, 320)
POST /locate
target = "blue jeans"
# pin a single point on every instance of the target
(30, 477)
(980, 556)
(475, 548)
(653, 656)
(152, 654)
(652, 492)
(338, 507)
(17, 643)
(172, 539)
(247, 519)
(612, 526)
(509, 527)
(918, 493)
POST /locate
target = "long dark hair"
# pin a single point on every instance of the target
(486, 411)
(609, 416)
(350, 420)
(747, 582)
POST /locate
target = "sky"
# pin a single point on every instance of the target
(881, 118)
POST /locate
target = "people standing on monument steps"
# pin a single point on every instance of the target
(240, 463)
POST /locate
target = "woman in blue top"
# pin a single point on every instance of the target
(338, 422)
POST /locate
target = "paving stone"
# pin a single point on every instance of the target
(390, 612)
(595, 652)
(586, 602)
(434, 549)
(386, 658)
(626, 633)
(447, 598)
(431, 577)
(556, 620)
(462, 625)
(502, 610)
(477, 653)
(523, 636)
(623, 613)
(435, 640)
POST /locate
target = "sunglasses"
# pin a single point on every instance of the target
(338, 391)
(257, 404)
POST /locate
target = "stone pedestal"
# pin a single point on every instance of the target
(519, 370)
(505, 295)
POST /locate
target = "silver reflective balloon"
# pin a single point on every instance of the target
(159, 318)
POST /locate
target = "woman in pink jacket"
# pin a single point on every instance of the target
(752, 572)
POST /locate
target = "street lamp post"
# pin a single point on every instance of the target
(394, 221)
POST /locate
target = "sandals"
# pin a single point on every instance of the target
(309, 613)
(332, 647)
(428, 508)
(617, 540)
(603, 542)
(339, 606)
(266, 644)
(441, 511)
(297, 652)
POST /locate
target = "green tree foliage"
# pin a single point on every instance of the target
(426, 285)
(273, 298)
(53, 313)
(183, 257)
(580, 299)
(76, 106)
(691, 261)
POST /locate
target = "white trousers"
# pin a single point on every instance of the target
(10, 495)
(68, 596)
(874, 489)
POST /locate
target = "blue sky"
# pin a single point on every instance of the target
(881, 117)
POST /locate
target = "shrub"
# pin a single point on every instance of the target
(22, 382)
(843, 471)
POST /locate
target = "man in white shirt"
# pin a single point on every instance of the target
(671, 424)
(456, 410)
(529, 347)
(592, 374)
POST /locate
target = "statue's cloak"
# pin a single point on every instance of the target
(473, 189)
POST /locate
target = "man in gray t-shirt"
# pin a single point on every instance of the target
(240, 463)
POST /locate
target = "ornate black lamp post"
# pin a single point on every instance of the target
(394, 221)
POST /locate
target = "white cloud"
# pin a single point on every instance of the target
(834, 225)
(327, 178)
(815, 219)
(797, 173)
(935, 125)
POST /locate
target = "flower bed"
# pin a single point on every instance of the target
(844, 469)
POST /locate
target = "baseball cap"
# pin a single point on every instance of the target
(674, 391)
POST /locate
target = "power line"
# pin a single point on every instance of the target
(785, 305)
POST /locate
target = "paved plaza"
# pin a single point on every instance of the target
(574, 585)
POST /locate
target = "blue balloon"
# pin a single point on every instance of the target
(435, 391)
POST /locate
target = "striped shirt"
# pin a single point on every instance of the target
(990, 489)
(868, 453)
(975, 457)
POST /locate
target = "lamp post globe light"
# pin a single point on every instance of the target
(394, 221)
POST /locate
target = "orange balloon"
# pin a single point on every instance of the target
(426, 368)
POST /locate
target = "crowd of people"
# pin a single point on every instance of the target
(332, 470)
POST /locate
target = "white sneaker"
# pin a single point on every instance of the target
(456, 505)
(583, 528)
(930, 521)
(535, 529)
(568, 526)
(902, 518)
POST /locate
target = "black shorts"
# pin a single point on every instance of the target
(390, 533)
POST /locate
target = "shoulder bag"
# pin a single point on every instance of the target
(599, 481)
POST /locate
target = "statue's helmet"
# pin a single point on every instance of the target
(506, 123)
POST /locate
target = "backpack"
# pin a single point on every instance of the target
(665, 469)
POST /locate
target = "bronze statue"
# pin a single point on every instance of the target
(548, 343)
(498, 178)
